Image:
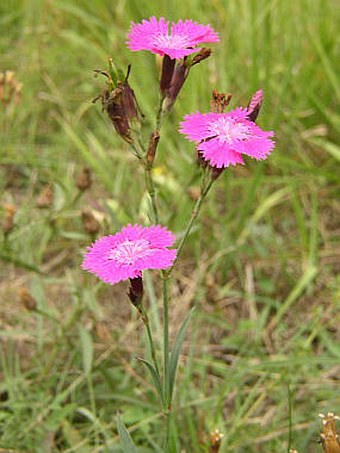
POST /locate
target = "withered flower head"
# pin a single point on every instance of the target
(215, 441)
(8, 220)
(10, 89)
(26, 299)
(84, 179)
(219, 101)
(329, 437)
(120, 103)
(45, 198)
(90, 223)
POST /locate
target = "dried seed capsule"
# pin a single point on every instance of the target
(84, 179)
(329, 437)
(26, 299)
(8, 220)
(90, 223)
(45, 198)
(120, 103)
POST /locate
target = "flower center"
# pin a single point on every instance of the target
(129, 251)
(229, 130)
(175, 42)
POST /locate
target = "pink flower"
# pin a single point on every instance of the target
(125, 254)
(223, 137)
(153, 35)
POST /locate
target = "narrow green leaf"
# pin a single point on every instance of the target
(332, 346)
(268, 203)
(331, 148)
(327, 62)
(301, 285)
(155, 376)
(128, 445)
(174, 356)
(87, 349)
(74, 437)
(19, 263)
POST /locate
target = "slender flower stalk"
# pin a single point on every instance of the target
(146, 322)
(150, 187)
(206, 184)
(166, 299)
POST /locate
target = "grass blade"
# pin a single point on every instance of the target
(19, 263)
(128, 445)
(87, 349)
(328, 146)
(296, 292)
(174, 356)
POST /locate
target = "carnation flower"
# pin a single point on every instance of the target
(126, 254)
(153, 35)
(222, 138)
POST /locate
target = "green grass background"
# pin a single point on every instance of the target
(262, 357)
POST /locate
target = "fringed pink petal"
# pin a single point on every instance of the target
(134, 249)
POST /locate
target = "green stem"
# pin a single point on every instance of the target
(204, 191)
(145, 319)
(167, 422)
(150, 186)
(149, 182)
(166, 382)
(138, 151)
(166, 337)
(159, 116)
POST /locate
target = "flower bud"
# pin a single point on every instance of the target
(178, 78)
(171, 88)
(254, 105)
